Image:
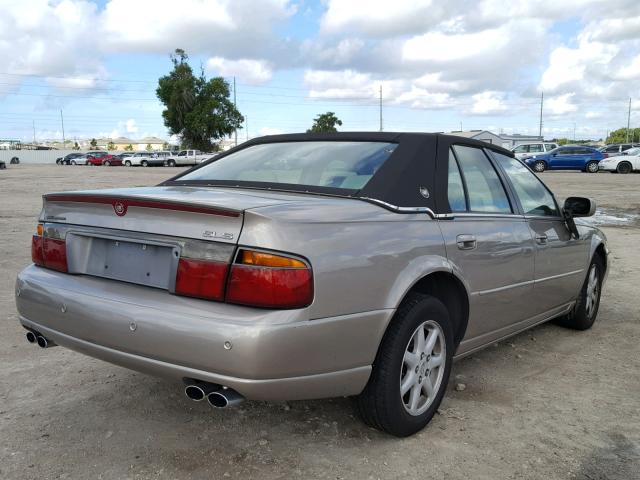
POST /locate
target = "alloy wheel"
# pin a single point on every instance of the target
(593, 290)
(423, 367)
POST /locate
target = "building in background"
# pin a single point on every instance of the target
(502, 140)
(483, 136)
(517, 139)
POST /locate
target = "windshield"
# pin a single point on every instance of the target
(348, 165)
(633, 151)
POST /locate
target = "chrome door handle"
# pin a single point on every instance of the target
(466, 242)
(541, 238)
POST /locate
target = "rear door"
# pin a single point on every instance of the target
(559, 258)
(488, 242)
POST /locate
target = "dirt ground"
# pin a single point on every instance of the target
(549, 403)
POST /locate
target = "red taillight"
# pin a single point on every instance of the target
(201, 278)
(605, 155)
(55, 254)
(270, 287)
(48, 252)
(36, 250)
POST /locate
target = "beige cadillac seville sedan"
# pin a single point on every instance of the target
(312, 266)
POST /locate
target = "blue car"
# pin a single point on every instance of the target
(575, 157)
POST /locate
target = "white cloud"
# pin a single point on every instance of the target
(379, 17)
(253, 72)
(561, 104)
(487, 103)
(130, 126)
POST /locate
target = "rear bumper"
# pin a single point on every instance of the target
(274, 355)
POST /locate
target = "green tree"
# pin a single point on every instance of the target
(94, 144)
(196, 109)
(148, 148)
(76, 146)
(325, 122)
(129, 148)
(111, 146)
(620, 135)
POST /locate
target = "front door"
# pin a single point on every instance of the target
(489, 245)
(560, 259)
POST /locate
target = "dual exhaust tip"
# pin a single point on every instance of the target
(216, 395)
(41, 340)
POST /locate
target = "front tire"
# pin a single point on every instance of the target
(411, 370)
(107, 163)
(585, 311)
(624, 167)
(592, 167)
(539, 166)
(127, 163)
(144, 163)
(171, 163)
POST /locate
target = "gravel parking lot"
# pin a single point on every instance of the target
(549, 403)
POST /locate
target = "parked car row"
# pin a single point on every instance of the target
(617, 158)
(133, 159)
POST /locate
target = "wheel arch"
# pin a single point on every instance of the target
(452, 292)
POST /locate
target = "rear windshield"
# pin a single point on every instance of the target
(347, 165)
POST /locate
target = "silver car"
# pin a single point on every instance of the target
(313, 266)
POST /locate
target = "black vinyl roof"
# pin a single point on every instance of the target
(406, 179)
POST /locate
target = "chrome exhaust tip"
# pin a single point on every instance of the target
(31, 337)
(199, 391)
(44, 342)
(225, 397)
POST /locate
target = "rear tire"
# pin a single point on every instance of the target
(624, 167)
(411, 370)
(107, 163)
(591, 167)
(144, 163)
(171, 162)
(73, 162)
(585, 311)
(539, 166)
(127, 163)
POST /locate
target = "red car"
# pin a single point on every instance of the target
(103, 158)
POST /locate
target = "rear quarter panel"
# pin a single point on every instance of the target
(363, 257)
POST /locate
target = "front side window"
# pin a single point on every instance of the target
(484, 188)
(537, 147)
(522, 149)
(534, 197)
(550, 146)
(339, 164)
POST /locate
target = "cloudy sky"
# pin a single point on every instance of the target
(441, 64)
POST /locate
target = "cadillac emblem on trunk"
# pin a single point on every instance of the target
(120, 209)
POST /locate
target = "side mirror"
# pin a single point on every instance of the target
(580, 206)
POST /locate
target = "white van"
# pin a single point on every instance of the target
(525, 150)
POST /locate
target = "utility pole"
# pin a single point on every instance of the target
(246, 125)
(34, 132)
(629, 119)
(460, 125)
(235, 133)
(380, 107)
(62, 121)
(541, 103)
(574, 132)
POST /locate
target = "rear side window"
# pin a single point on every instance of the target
(455, 190)
(536, 147)
(521, 149)
(339, 164)
(484, 188)
(533, 195)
